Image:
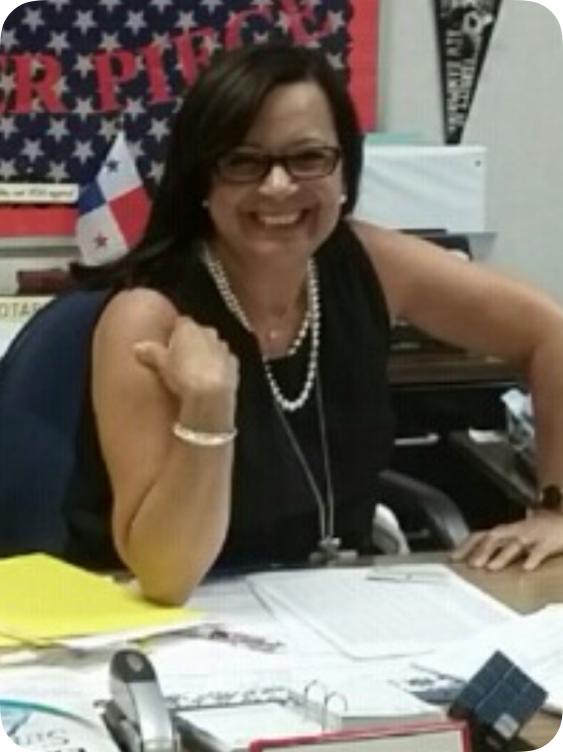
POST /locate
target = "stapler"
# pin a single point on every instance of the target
(137, 715)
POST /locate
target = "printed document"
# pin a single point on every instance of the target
(402, 610)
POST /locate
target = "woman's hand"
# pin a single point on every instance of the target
(534, 539)
(194, 363)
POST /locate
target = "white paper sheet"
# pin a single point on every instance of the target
(534, 643)
(59, 689)
(413, 610)
(234, 602)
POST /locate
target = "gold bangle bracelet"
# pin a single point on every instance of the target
(203, 438)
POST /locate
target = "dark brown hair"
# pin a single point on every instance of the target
(214, 118)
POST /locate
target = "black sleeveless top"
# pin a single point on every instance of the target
(274, 515)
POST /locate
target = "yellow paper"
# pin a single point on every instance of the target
(43, 598)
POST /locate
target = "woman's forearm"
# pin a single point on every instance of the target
(181, 523)
(545, 380)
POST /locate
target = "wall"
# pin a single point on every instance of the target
(517, 114)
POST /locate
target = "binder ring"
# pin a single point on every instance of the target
(337, 696)
(310, 687)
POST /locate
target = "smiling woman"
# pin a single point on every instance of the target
(239, 402)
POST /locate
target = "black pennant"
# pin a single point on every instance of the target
(464, 29)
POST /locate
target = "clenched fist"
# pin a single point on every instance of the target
(195, 363)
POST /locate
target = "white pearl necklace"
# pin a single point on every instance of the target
(312, 321)
(301, 334)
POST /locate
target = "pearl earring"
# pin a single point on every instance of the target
(205, 203)
(343, 198)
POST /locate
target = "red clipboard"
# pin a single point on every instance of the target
(430, 736)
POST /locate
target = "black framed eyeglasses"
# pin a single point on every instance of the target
(250, 165)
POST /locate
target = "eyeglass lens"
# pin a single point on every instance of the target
(245, 165)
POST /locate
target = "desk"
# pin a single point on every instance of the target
(522, 591)
(447, 391)
(447, 367)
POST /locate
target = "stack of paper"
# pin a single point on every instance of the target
(45, 602)
(370, 612)
(534, 643)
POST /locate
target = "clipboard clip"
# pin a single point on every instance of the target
(137, 715)
(407, 577)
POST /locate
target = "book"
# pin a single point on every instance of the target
(234, 729)
(225, 721)
(444, 736)
(271, 726)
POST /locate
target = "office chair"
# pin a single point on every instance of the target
(428, 517)
(42, 384)
(42, 387)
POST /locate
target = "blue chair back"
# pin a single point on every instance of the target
(43, 381)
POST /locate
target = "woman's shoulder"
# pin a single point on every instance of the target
(137, 312)
(393, 251)
(373, 237)
(395, 246)
(369, 240)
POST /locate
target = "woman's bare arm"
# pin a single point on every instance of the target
(171, 501)
(471, 306)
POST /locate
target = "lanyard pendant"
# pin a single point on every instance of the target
(328, 550)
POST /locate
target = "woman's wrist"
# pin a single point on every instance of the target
(208, 414)
(549, 498)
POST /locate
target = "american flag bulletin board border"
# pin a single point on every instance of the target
(72, 72)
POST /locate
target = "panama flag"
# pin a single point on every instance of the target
(113, 209)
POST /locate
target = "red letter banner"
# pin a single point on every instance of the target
(76, 72)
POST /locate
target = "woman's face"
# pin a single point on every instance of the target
(280, 214)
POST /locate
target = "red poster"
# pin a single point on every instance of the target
(74, 72)
(363, 59)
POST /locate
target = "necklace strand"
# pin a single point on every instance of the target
(328, 545)
(301, 334)
(311, 323)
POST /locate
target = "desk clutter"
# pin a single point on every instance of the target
(335, 659)
(49, 603)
